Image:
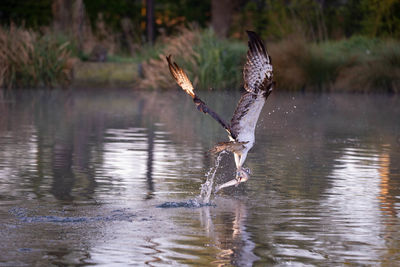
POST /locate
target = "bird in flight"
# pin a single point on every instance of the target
(258, 84)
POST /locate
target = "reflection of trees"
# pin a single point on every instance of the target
(70, 128)
(220, 233)
(387, 198)
(389, 189)
(3, 110)
(139, 118)
(150, 158)
(226, 226)
(63, 176)
(295, 146)
(299, 146)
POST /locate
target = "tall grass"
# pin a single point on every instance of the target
(300, 65)
(209, 61)
(377, 69)
(29, 60)
(155, 71)
(219, 62)
(287, 57)
(358, 64)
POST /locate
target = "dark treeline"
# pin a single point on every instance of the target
(317, 19)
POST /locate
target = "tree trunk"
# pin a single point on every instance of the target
(69, 18)
(150, 21)
(221, 16)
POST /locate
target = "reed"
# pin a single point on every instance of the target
(287, 57)
(375, 68)
(207, 60)
(358, 64)
(300, 65)
(29, 60)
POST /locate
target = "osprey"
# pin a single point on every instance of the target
(258, 83)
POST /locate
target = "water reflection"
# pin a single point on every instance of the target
(225, 226)
(149, 165)
(387, 200)
(353, 204)
(325, 187)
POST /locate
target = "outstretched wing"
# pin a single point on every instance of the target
(183, 81)
(180, 77)
(257, 72)
(246, 115)
(258, 82)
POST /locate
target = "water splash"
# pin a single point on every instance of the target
(191, 203)
(116, 215)
(207, 187)
(203, 200)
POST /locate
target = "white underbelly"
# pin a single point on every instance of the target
(248, 123)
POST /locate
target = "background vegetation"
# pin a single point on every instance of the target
(350, 45)
(31, 60)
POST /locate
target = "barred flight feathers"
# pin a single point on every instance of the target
(180, 77)
(184, 82)
(257, 72)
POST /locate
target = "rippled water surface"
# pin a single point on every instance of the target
(112, 178)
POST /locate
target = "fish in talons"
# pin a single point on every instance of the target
(242, 175)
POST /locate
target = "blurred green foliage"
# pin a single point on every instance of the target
(219, 62)
(29, 60)
(209, 61)
(320, 20)
(317, 19)
(182, 12)
(113, 11)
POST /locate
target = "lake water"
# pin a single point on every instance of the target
(86, 178)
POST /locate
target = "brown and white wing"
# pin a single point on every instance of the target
(183, 81)
(180, 77)
(257, 72)
(246, 115)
